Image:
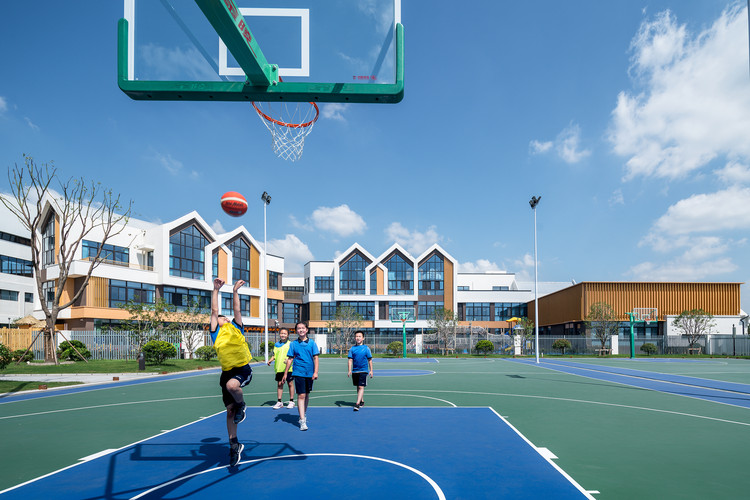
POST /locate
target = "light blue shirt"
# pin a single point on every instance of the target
(302, 354)
(359, 354)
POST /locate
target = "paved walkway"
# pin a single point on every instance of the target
(86, 378)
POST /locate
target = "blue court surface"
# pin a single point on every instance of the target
(394, 453)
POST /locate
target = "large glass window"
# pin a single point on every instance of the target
(48, 242)
(477, 311)
(273, 309)
(352, 275)
(19, 267)
(400, 276)
(426, 310)
(431, 276)
(291, 312)
(187, 253)
(374, 282)
(9, 295)
(111, 254)
(327, 311)
(507, 310)
(273, 280)
(15, 239)
(323, 284)
(227, 305)
(122, 292)
(183, 297)
(48, 292)
(364, 309)
(240, 261)
(215, 265)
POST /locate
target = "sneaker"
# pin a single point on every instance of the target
(239, 414)
(278, 405)
(362, 403)
(235, 454)
(303, 424)
(290, 405)
(356, 407)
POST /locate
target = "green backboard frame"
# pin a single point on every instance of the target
(262, 83)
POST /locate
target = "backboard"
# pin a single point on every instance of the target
(402, 314)
(269, 50)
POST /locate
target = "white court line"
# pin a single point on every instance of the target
(373, 393)
(546, 457)
(433, 484)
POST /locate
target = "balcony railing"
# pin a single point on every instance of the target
(129, 265)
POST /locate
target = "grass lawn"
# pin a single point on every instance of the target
(109, 366)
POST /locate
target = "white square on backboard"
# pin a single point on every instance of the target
(303, 14)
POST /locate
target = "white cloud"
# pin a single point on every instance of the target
(175, 64)
(567, 145)
(480, 266)
(173, 165)
(296, 253)
(3, 105)
(694, 104)
(218, 227)
(734, 173)
(340, 220)
(617, 198)
(414, 242)
(682, 269)
(31, 124)
(334, 111)
(524, 268)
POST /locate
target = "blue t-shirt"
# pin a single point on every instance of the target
(359, 354)
(302, 353)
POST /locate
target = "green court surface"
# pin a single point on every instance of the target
(617, 440)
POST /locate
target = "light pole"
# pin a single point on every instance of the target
(534, 202)
(264, 282)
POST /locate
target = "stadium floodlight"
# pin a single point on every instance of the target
(264, 275)
(534, 202)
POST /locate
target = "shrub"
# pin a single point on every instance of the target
(649, 348)
(66, 352)
(206, 353)
(5, 356)
(21, 353)
(156, 351)
(395, 348)
(484, 347)
(562, 344)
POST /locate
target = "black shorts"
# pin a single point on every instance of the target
(289, 377)
(359, 379)
(303, 385)
(243, 374)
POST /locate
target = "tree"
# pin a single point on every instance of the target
(694, 324)
(649, 348)
(345, 322)
(484, 347)
(527, 329)
(191, 322)
(444, 323)
(562, 344)
(147, 322)
(80, 210)
(603, 322)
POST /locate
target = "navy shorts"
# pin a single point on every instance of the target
(243, 374)
(359, 379)
(303, 385)
(289, 377)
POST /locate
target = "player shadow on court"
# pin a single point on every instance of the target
(167, 460)
(289, 418)
(341, 403)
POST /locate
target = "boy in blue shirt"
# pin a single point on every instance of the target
(303, 352)
(360, 364)
(234, 356)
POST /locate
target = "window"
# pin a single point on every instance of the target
(9, 295)
(28, 297)
(431, 276)
(323, 284)
(291, 313)
(122, 292)
(352, 275)
(477, 311)
(15, 239)
(227, 306)
(112, 254)
(327, 311)
(364, 309)
(426, 310)
(400, 276)
(19, 267)
(186, 253)
(374, 282)
(215, 265)
(500, 288)
(463, 289)
(507, 310)
(273, 280)
(240, 261)
(183, 297)
(48, 292)
(273, 309)
(48, 242)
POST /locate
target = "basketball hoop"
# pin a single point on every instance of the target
(294, 120)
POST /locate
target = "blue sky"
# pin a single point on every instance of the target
(629, 118)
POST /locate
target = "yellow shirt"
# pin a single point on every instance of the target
(231, 347)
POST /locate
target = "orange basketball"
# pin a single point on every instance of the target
(233, 203)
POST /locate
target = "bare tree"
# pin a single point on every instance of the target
(444, 324)
(345, 322)
(80, 209)
(694, 324)
(191, 322)
(603, 322)
(147, 322)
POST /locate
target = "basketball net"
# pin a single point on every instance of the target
(289, 124)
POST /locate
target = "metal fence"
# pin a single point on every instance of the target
(111, 344)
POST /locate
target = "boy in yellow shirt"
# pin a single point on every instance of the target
(279, 355)
(234, 356)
